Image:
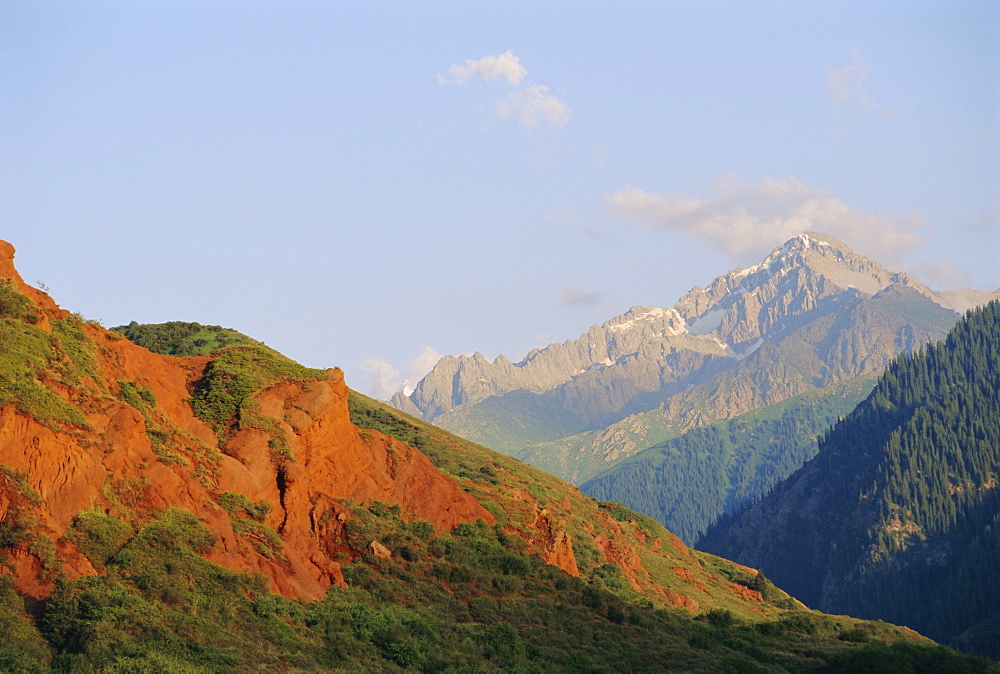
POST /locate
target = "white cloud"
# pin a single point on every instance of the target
(422, 364)
(383, 379)
(505, 66)
(576, 296)
(848, 83)
(746, 220)
(847, 86)
(532, 106)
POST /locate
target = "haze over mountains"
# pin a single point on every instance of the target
(810, 315)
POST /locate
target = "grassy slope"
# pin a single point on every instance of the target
(513, 421)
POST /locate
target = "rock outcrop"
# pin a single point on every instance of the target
(130, 462)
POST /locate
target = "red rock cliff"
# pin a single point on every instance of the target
(111, 466)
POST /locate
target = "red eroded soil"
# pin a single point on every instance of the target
(111, 467)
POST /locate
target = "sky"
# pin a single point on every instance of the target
(371, 185)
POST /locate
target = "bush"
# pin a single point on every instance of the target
(15, 305)
(98, 536)
(234, 504)
(721, 618)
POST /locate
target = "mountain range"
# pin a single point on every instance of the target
(752, 346)
(813, 313)
(235, 510)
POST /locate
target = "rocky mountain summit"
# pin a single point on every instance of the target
(811, 314)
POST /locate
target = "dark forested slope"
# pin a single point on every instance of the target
(898, 516)
(688, 482)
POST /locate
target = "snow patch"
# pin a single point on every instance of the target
(753, 347)
(707, 322)
(638, 316)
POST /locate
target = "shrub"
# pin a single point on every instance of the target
(234, 504)
(721, 618)
(98, 536)
(15, 305)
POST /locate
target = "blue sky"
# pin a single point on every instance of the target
(371, 184)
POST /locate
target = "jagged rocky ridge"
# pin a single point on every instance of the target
(811, 314)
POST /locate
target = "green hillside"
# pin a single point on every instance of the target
(511, 422)
(177, 338)
(469, 600)
(688, 482)
(898, 516)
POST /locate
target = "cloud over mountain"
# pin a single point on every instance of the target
(382, 378)
(746, 219)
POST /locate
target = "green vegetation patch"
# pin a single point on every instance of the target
(24, 360)
(177, 338)
(21, 528)
(366, 414)
(15, 305)
(688, 482)
(22, 648)
(68, 336)
(466, 601)
(247, 520)
(139, 397)
(161, 607)
(17, 528)
(98, 536)
(224, 395)
(238, 504)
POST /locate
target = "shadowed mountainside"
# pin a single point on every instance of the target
(897, 515)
